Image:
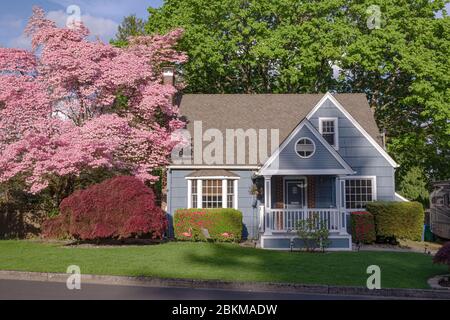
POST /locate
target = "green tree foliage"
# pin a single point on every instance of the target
(413, 185)
(397, 52)
(398, 220)
(131, 26)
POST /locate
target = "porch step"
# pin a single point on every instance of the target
(278, 241)
(294, 234)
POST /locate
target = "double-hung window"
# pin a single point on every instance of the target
(213, 193)
(328, 127)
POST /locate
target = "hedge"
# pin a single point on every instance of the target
(399, 220)
(363, 227)
(222, 225)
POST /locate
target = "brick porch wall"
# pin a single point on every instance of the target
(279, 196)
(311, 191)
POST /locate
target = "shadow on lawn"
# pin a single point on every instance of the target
(231, 261)
(15, 224)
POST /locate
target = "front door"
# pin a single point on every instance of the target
(295, 194)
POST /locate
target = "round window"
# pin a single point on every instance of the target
(305, 148)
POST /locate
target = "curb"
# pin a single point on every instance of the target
(227, 285)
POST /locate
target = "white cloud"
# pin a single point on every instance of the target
(10, 27)
(9, 22)
(116, 9)
(20, 42)
(103, 28)
(447, 9)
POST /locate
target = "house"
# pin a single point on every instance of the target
(440, 209)
(326, 157)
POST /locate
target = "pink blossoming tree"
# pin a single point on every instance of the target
(72, 105)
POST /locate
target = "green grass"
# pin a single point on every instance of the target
(222, 262)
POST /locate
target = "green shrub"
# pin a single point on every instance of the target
(314, 233)
(363, 227)
(399, 220)
(223, 225)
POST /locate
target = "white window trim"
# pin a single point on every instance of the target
(236, 194)
(374, 189)
(189, 205)
(199, 194)
(313, 143)
(224, 191)
(336, 130)
(213, 178)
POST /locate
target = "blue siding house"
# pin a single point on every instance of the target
(280, 159)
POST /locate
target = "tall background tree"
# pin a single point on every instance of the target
(397, 52)
(131, 26)
(414, 186)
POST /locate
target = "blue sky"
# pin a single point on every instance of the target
(101, 16)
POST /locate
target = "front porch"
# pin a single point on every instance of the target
(290, 199)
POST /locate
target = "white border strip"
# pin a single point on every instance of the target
(401, 197)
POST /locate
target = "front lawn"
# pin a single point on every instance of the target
(222, 262)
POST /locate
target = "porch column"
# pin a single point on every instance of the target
(340, 204)
(267, 203)
(268, 192)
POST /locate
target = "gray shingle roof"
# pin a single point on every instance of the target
(267, 111)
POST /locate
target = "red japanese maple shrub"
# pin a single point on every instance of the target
(363, 227)
(443, 255)
(118, 208)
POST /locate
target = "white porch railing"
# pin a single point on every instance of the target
(286, 220)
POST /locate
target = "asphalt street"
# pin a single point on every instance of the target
(30, 290)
